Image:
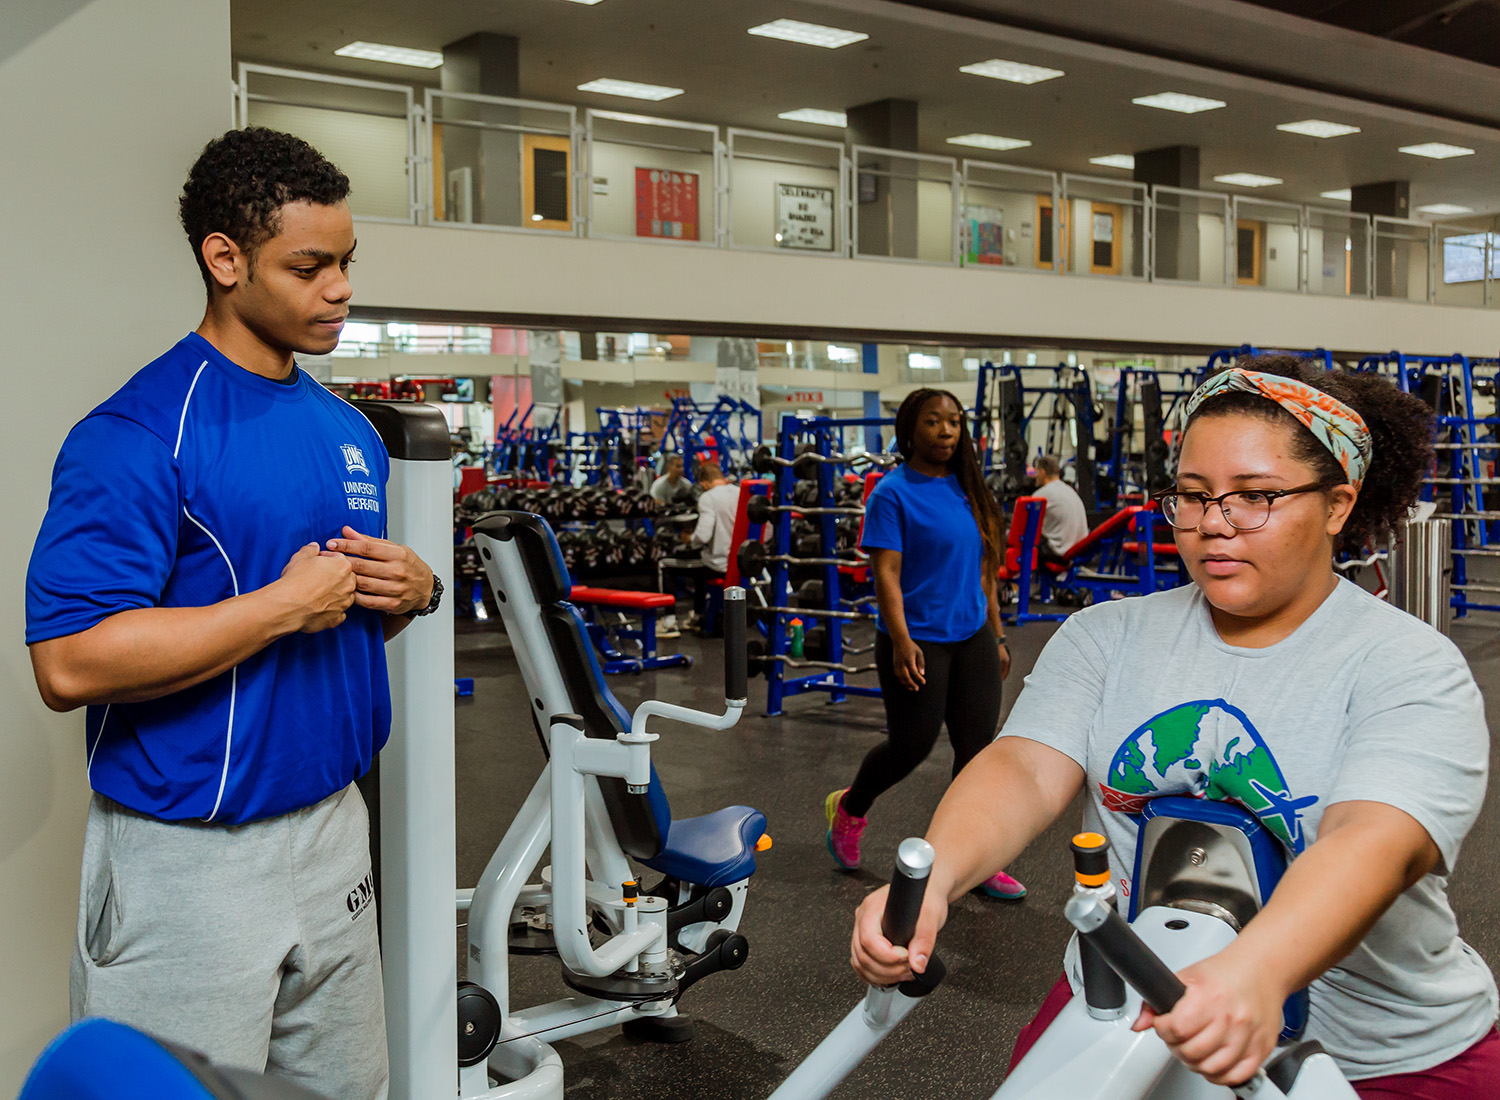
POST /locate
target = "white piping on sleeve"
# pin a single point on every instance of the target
(182, 420)
(233, 674)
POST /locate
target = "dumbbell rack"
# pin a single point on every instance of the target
(824, 433)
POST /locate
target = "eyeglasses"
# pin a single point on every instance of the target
(1244, 509)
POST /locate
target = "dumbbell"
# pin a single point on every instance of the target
(759, 509)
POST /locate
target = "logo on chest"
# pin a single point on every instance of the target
(1207, 748)
(354, 459)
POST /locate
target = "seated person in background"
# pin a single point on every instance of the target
(718, 507)
(672, 486)
(1065, 521)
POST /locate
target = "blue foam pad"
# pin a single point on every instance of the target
(101, 1060)
(715, 849)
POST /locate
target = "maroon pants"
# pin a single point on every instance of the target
(1472, 1075)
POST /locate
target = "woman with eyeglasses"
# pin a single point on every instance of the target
(1354, 732)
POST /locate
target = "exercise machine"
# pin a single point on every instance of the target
(627, 953)
(1202, 869)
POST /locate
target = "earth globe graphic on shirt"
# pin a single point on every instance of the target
(1210, 749)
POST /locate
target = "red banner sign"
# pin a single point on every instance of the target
(666, 204)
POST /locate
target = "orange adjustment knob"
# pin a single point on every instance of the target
(764, 843)
(1090, 859)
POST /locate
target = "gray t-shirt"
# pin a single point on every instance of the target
(1361, 702)
(1065, 521)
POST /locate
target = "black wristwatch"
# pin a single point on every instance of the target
(432, 604)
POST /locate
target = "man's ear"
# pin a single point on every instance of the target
(226, 264)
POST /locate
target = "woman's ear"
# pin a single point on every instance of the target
(1341, 500)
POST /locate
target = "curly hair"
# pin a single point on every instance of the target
(240, 182)
(1401, 436)
(964, 465)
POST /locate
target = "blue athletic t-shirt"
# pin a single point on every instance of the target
(195, 482)
(928, 520)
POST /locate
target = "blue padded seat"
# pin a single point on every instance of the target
(712, 850)
(715, 849)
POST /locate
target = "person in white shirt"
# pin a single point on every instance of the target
(672, 486)
(718, 508)
(1065, 521)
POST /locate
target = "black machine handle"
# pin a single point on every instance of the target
(1101, 925)
(736, 652)
(903, 905)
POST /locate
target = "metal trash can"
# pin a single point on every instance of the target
(1421, 564)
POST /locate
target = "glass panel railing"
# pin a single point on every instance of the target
(363, 126)
(905, 205)
(1006, 219)
(1189, 236)
(1464, 265)
(652, 178)
(506, 163)
(1338, 252)
(785, 194)
(1268, 243)
(1402, 260)
(1104, 227)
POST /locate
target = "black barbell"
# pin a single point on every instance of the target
(753, 557)
(759, 509)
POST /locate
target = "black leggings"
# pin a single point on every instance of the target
(963, 688)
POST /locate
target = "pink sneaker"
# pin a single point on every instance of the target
(1001, 886)
(844, 831)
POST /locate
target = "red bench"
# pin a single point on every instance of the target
(647, 605)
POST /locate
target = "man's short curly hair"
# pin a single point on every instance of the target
(240, 182)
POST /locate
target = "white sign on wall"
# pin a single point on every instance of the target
(804, 217)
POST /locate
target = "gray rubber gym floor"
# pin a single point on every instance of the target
(754, 1025)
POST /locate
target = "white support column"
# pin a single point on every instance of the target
(416, 810)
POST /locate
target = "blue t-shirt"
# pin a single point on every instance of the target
(929, 521)
(195, 482)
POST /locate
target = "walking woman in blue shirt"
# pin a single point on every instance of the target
(932, 530)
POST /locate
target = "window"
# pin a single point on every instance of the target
(1248, 240)
(1044, 232)
(1463, 257)
(547, 182)
(1104, 238)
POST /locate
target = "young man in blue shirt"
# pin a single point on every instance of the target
(211, 582)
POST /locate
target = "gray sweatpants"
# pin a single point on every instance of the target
(254, 944)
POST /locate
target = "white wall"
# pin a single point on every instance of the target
(1280, 273)
(102, 115)
(935, 210)
(656, 286)
(370, 150)
(753, 198)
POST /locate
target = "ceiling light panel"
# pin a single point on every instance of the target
(1316, 127)
(1343, 194)
(1014, 71)
(816, 116)
(589, 2)
(1444, 209)
(395, 55)
(808, 34)
(630, 89)
(1247, 179)
(1437, 150)
(1180, 102)
(989, 141)
(1115, 160)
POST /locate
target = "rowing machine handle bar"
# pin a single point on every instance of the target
(1101, 925)
(736, 654)
(903, 904)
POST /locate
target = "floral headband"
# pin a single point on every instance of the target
(1333, 423)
